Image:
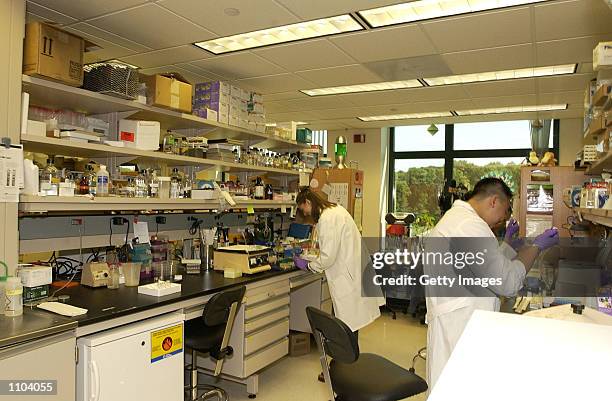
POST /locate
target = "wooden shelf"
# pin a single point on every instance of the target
(41, 204)
(597, 216)
(600, 165)
(51, 94)
(63, 147)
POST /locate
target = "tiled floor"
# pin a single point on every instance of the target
(295, 378)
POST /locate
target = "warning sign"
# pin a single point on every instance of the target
(166, 342)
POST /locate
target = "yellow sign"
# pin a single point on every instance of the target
(166, 342)
(250, 210)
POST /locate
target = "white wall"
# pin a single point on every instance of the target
(371, 157)
(570, 140)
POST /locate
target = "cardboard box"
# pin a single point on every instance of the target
(602, 56)
(223, 118)
(207, 114)
(49, 52)
(214, 86)
(168, 90)
(299, 343)
(330, 181)
(260, 127)
(140, 134)
(291, 126)
(235, 121)
(601, 95)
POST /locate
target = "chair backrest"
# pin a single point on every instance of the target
(217, 309)
(339, 342)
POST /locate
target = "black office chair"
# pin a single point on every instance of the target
(352, 376)
(210, 335)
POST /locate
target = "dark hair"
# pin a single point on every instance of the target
(490, 186)
(317, 201)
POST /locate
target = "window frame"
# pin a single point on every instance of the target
(449, 154)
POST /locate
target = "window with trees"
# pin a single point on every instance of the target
(420, 164)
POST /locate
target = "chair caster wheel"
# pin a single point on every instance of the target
(252, 396)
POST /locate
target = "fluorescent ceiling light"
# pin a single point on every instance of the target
(503, 75)
(513, 109)
(296, 123)
(407, 116)
(282, 34)
(379, 86)
(428, 9)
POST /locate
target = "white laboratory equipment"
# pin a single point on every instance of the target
(140, 361)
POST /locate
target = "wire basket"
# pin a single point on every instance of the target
(113, 79)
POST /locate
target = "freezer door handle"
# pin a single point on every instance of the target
(94, 382)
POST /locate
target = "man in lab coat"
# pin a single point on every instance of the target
(486, 206)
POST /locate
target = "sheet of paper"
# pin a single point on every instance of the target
(283, 209)
(339, 194)
(250, 210)
(327, 190)
(141, 231)
(11, 173)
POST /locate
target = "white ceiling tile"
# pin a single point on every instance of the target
(563, 83)
(502, 88)
(291, 116)
(284, 96)
(48, 14)
(274, 83)
(107, 52)
(313, 9)
(82, 9)
(573, 50)
(493, 59)
(277, 107)
(238, 66)
(336, 76)
(153, 26)
(210, 14)
(504, 101)
(571, 97)
(585, 68)
(171, 55)
(99, 36)
(199, 71)
(559, 20)
(316, 103)
(385, 43)
(306, 55)
(444, 105)
(481, 30)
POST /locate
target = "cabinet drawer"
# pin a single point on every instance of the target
(327, 306)
(265, 357)
(260, 309)
(262, 294)
(325, 295)
(266, 319)
(260, 339)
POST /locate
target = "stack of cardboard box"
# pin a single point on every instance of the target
(212, 101)
(257, 113)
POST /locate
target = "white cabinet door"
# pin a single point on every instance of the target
(124, 370)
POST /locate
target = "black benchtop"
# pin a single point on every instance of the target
(103, 304)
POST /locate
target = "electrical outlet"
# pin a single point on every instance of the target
(160, 219)
(76, 222)
(119, 221)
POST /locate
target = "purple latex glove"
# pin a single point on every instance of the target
(300, 263)
(547, 239)
(516, 243)
(511, 230)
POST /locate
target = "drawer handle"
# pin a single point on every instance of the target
(271, 294)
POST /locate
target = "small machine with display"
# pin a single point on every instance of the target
(248, 259)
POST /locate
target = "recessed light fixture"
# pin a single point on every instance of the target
(231, 12)
(534, 72)
(282, 34)
(512, 109)
(428, 9)
(296, 123)
(406, 116)
(378, 86)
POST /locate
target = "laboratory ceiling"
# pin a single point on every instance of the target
(158, 36)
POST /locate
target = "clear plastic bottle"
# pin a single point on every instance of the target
(168, 145)
(102, 181)
(14, 297)
(175, 184)
(140, 186)
(50, 178)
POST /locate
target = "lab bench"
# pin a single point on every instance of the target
(260, 333)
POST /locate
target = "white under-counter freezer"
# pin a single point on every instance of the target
(139, 361)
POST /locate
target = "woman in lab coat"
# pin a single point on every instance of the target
(341, 256)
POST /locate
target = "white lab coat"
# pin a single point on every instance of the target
(340, 256)
(447, 316)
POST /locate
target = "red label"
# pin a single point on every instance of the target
(127, 136)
